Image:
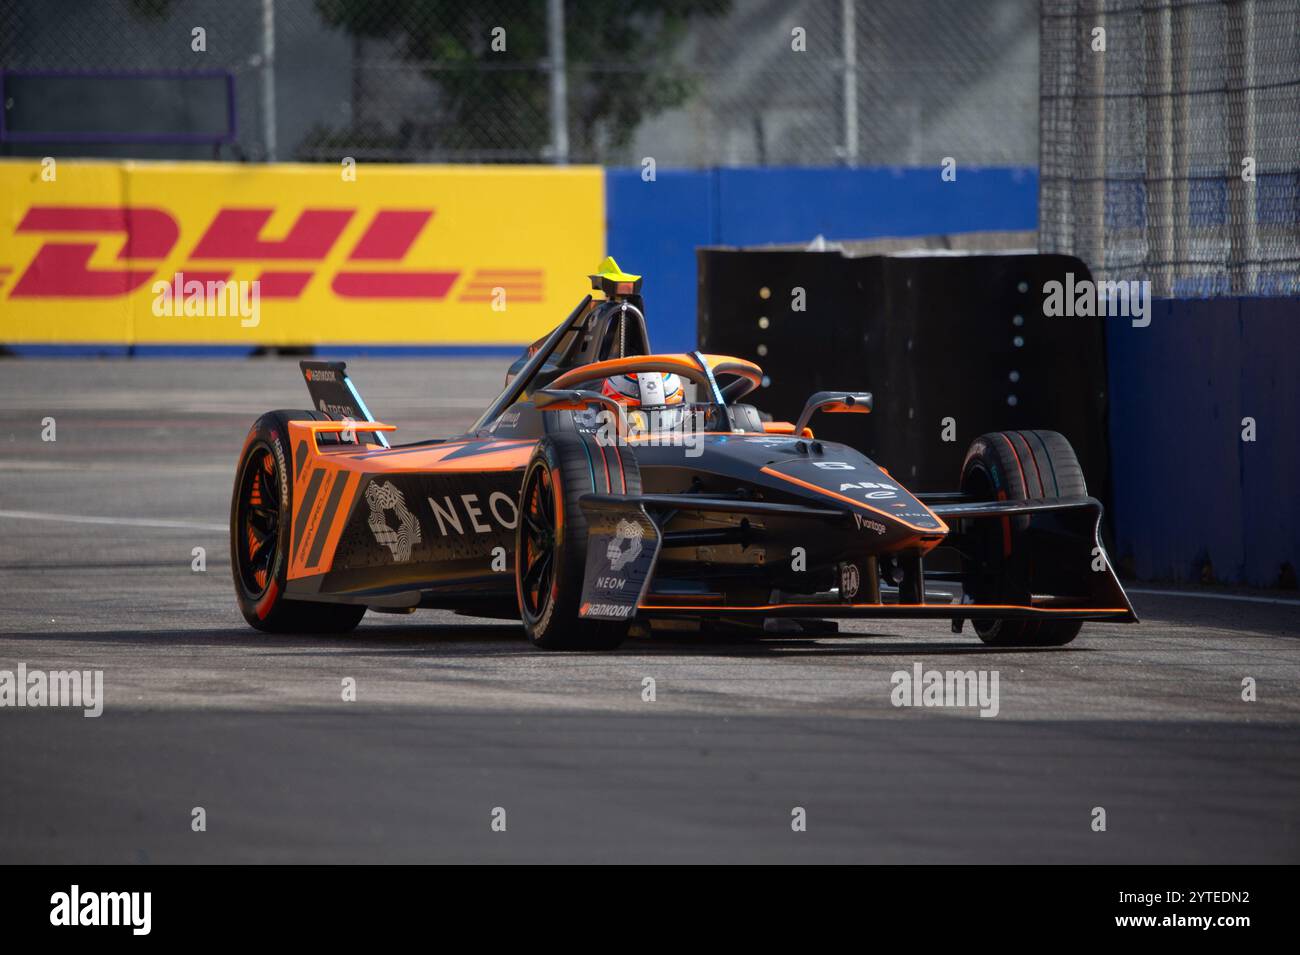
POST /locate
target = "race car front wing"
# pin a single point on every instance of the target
(1047, 552)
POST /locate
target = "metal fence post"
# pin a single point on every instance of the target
(268, 78)
(850, 48)
(1243, 237)
(559, 82)
(1090, 213)
(1162, 211)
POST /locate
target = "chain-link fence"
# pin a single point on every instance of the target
(689, 82)
(1169, 142)
(136, 51)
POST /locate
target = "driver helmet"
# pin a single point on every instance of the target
(655, 392)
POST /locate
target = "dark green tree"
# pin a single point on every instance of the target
(620, 66)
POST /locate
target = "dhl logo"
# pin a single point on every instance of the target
(62, 269)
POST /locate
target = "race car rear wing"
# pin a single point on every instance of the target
(333, 393)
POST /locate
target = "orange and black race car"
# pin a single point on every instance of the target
(587, 512)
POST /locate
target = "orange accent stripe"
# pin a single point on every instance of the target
(511, 456)
(728, 365)
(1019, 466)
(1042, 488)
(787, 427)
(941, 529)
(264, 605)
(616, 366)
(337, 427)
(957, 607)
(1024, 486)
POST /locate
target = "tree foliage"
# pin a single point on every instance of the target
(620, 64)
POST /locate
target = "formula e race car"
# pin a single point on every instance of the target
(609, 489)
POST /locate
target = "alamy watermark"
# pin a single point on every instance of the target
(666, 427)
(1087, 299)
(946, 688)
(75, 907)
(82, 689)
(211, 299)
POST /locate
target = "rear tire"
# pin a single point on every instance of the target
(551, 538)
(1016, 466)
(260, 510)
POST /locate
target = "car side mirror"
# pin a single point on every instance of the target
(578, 399)
(834, 402)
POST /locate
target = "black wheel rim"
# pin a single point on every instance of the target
(258, 521)
(536, 559)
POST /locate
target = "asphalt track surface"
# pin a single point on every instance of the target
(456, 717)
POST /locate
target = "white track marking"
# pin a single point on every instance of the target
(122, 521)
(1241, 598)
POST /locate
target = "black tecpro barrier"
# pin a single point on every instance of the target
(933, 337)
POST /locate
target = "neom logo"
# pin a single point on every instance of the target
(61, 269)
(75, 907)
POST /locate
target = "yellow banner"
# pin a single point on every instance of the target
(230, 254)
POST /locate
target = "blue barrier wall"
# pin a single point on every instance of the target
(1192, 500)
(653, 228)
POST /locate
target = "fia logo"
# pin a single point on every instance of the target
(849, 581)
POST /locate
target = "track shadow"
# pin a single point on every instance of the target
(486, 639)
(380, 637)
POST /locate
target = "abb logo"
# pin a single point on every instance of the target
(61, 269)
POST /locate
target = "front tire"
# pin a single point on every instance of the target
(1017, 466)
(551, 538)
(260, 510)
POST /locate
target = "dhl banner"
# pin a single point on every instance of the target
(228, 254)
